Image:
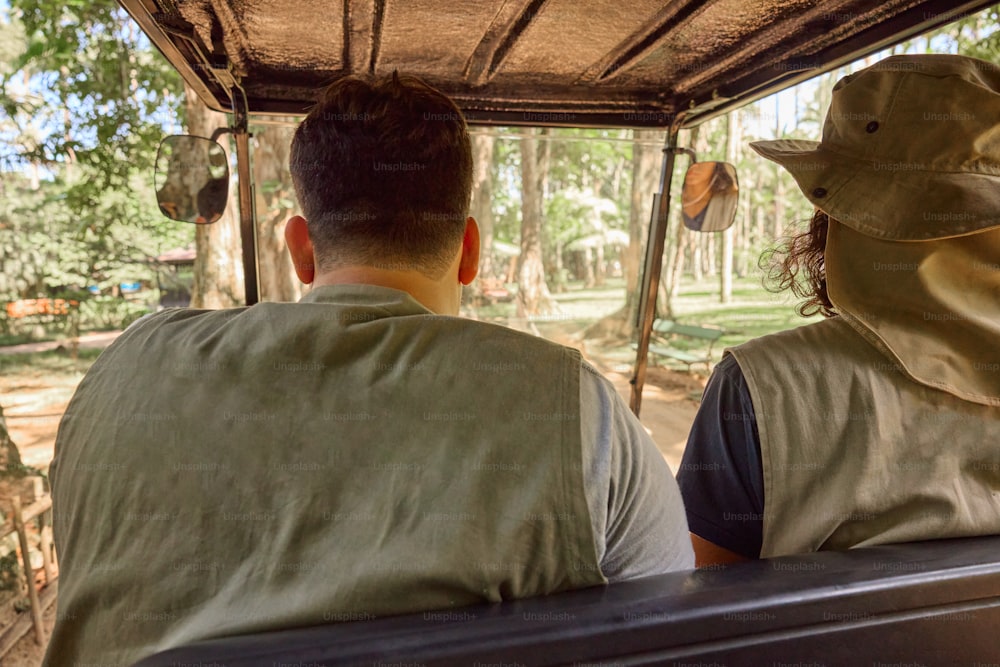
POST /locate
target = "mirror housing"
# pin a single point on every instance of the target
(709, 196)
(191, 179)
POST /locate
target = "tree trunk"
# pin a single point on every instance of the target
(599, 268)
(533, 297)
(275, 204)
(779, 189)
(645, 170)
(760, 220)
(697, 263)
(779, 205)
(733, 132)
(711, 266)
(588, 262)
(560, 275)
(671, 282)
(481, 207)
(218, 266)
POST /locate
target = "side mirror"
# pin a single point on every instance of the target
(192, 179)
(708, 199)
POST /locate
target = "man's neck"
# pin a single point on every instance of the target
(433, 294)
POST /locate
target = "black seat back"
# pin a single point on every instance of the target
(931, 603)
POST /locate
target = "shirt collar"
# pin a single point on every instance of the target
(394, 301)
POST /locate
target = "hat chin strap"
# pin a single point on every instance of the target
(932, 307)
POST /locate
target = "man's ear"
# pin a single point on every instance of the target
(300, 247)
(468, 266)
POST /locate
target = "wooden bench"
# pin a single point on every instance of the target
(930, 603)
(492, 290)
(664, 330)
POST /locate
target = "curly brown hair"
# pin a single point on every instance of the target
(797, 264)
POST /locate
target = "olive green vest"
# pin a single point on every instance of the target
(343, 458)
(856, 454)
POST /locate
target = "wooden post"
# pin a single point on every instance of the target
(74, 329)
(45, 544)
(44, 531)
(29, 572)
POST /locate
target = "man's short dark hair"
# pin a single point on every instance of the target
(383, 172)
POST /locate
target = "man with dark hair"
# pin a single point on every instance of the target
(404, 203)
(360, 453)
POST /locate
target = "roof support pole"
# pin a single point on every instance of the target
(248, 213)
(652, 265)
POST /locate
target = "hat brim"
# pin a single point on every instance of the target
(892, 201)
(929, 307)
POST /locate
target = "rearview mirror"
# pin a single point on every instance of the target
(192, 179)
(708, 199)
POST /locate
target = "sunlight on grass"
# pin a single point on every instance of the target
(753, 311)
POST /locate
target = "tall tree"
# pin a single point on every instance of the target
(84, 94)
(533, 297)
(733, 138)
(218, 270)
(275, 204)
(102, 84)
(670, 278)
(481, 206)
(647, 155)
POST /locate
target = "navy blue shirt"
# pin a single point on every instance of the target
(721, 476)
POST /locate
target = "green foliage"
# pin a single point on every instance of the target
(10, 569)
(506, 190)
(587, 187)
(92, 63)
(977, 35)
(108, 312)
(86, 99)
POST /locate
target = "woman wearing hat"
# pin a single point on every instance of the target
(880, 424)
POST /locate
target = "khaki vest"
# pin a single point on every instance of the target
(856, 454)
(344, 458)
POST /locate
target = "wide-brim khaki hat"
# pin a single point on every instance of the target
(910, 149)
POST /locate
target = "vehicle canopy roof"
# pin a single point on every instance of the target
(573, 63)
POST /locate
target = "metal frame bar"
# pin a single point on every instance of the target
(248, 213)
(185, 53)
(659, 218)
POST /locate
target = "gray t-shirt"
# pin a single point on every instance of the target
(634, 501)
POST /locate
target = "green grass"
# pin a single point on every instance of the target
(20, 338)
(577, 304)
(751, 313)
(591, 303)
(51, 362)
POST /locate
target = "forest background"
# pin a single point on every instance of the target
(86, 99)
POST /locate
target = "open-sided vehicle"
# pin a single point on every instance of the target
(596, 63)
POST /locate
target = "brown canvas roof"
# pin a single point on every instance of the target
(619, 63)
